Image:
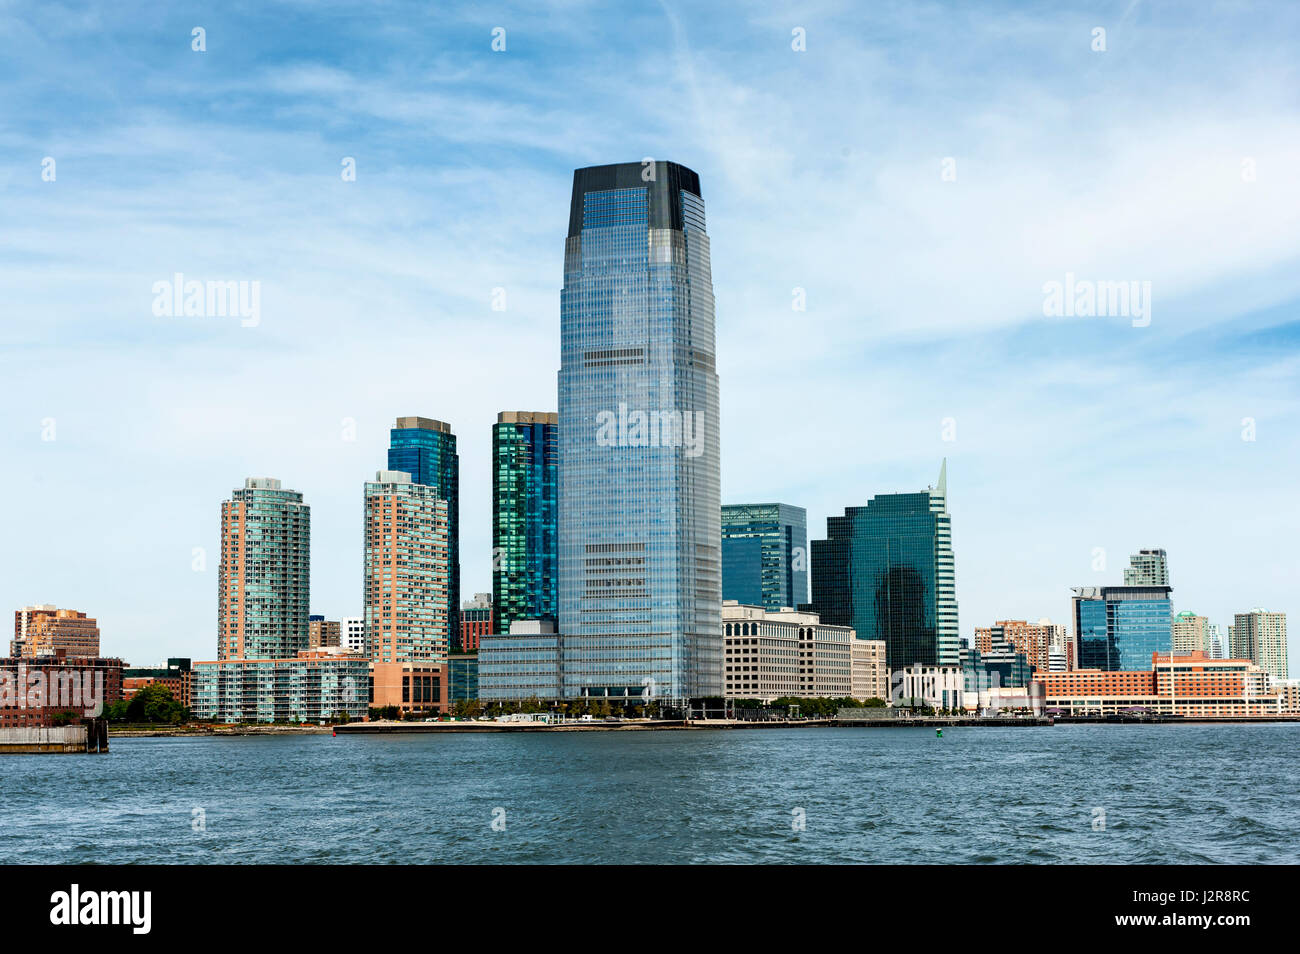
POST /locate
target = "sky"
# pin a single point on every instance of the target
(915, 175)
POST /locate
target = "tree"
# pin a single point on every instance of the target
(153, 703)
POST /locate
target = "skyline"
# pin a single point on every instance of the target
(165, 416)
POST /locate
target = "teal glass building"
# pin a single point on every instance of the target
(640, 594)
(426, 449)
(525, 507)
(887, 570)
(765, 555)
(1119, 627)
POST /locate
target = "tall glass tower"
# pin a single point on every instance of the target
(765, 554)
(525, 476)
(640, 597)
(426, 449)
(887, 570)
(1119, 627)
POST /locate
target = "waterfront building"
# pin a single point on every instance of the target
(1260, 636)
(523, 664)
(47, 690)
(476, 621)
(1218, 642)
(312, 686)
(323, 632)
(941, 687)
(765, 555)
(462, 677)
(1192, 686)
(1119, 627)
(426, 449)
(352, 634)
(887, 570)
(264, 578)
(1191, 633)
(413, 688)
(999, 668)
(407, 571)
(525, 516)
(640, 585)
(870, 671)
(1147, 568)
(769, 654)
(46, 630)
(1034, 640)
(177, 676)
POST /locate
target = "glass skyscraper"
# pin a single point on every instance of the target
(765, 555)
(1119, 627)
(426, 449)
(887, 570)
(525, 478)
(640, 595)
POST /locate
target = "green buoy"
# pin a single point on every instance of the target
(939, 733)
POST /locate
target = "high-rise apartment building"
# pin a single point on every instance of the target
(1119, 627)
(765, 555)
(1035, 640)
(1260, 636)
(639, 483)
(426, 449)
(525, 521)
(322, 632)
(475, 622)
(1147, 568)
(407, 570)
(46, 630)
(264, 579)
(1191, 633)
(887, 570)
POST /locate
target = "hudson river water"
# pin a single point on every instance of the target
(1169, 794)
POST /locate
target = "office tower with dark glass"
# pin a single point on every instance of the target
(426, 449)
(525, 480)
(765, 555)
(640, 595)
(887, 570)
(1119, 627)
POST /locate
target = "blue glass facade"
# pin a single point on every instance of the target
(525, 504)
(887, 570)
(426, 449)
(1119, 627)
(765, 555)
(640, 594)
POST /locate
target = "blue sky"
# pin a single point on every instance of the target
(821, 170)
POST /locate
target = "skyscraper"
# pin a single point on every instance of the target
(426, 449)
(407, 570)
(765, 555)
(1260, 636)
(1147, 568)
(264, 579)
(639, 483)
(525, 503)
(887, 570)
(1119, 627)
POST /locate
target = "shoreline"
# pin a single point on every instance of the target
(409, 728)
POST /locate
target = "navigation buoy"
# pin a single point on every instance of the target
(939, 733)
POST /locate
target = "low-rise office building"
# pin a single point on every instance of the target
(769, 654)
(940, 687)
(462, 677)
(523, 664)
(413, 688)
(870, 671)
(177, 676)
(44, 690)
